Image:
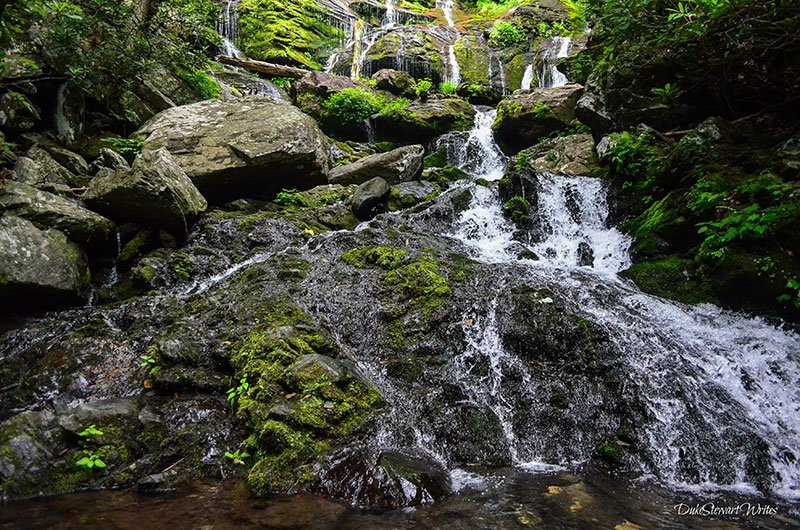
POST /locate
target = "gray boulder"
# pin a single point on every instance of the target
(572, 155)
(47, 210)
(39, 169)
(73, 162)
(156, 192)
(39, 267)
(370, 199)
(399, 165)
(109, 159)
(244, 148)
(396, 82)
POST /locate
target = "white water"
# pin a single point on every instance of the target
(711, 379)
(391, 18)
(228, 28)
(447, 8)
(527, 77)
(550, 76)
(453, 68)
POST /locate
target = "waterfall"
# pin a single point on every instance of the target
(62, 125)
(453, 68)
(550, 76)
(527, 77)
(391, 18)
(447, 8)
(358, 43)
(228, 28)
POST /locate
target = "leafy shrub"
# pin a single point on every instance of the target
(423, 87)
(447, 88)
(352, 106)
(505, 34)
(288, 198)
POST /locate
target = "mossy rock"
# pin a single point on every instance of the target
(670, 277)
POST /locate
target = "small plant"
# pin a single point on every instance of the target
(792, 285)
(235, 394)
(237, 457)
(448, 88)
(90, 460)
(523, 161)
(150, 361)
(667, 94)
(127, 147)
(541, 110)
(288, 198)
(284, 83)
(423, 88)
(352, 106)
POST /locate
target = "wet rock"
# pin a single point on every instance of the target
(422, 51)
(585, 255)
(313, 366)
(39, 268)
(17, 113)
(399, 165)
(155, 192)
(370, 199)
(480, 94)
(245, 148)
(70, 114)
(47, 210)
(423, 120)
(529, 115)
(98, 411)
(396, 82)
(409, 194)
(158, 483)
(388, 480)
(789, 153)
(566, 155)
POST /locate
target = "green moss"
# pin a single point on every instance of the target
(444, 176)
(421, 283)
(518, 210)
(319, 410)
(436, 159)
(474, 60)
(385, 257)
(670, 277)
(610, 451)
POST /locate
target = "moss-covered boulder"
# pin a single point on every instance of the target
(396, 82)
(39, 268)
(155, 192)
(416, 50)
(47, 210)
(243, 148)
(529, 115)
(423, 120)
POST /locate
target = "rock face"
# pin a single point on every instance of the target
(423, 120)
(39, 169)
(371, 198)
(39, 267)
(156, 192)
(246, 148)
(396, 82)
(529, 115)
(399, 165)
(47, 210)
(572, 155)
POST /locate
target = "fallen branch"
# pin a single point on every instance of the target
(275, 70)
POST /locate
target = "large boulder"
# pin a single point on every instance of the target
(530, 115)
(399, 165)
(396, 82)
(39, 267)
(424, 120)
(571, 155)
(156, 192)
(47, 210)
(39, 169)
(244, 148)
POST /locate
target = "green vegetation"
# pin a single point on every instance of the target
(423, 87)
(505, 34)
(518, 210)
(447, 88)
(288, 198)
(298, 402)
(353, 106)
(87, 458)
(292, 33)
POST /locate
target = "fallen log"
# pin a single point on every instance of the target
(275, 70)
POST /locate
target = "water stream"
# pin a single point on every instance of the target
(549, 75)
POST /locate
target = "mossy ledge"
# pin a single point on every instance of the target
(295, 398)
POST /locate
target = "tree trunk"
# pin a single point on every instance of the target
(275, 70)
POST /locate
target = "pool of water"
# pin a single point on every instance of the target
(501, 499)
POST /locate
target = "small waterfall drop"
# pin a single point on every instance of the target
(453, 68)
(527, 77)
(447, 8)
(62, 125)
(391, 18)
(228, 28)
(550, 76)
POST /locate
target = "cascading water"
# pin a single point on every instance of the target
(549, 75)
(391, 17)
(453, 68)
(447, 8)
(228, 28)
(527, 77)
(63, 127)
